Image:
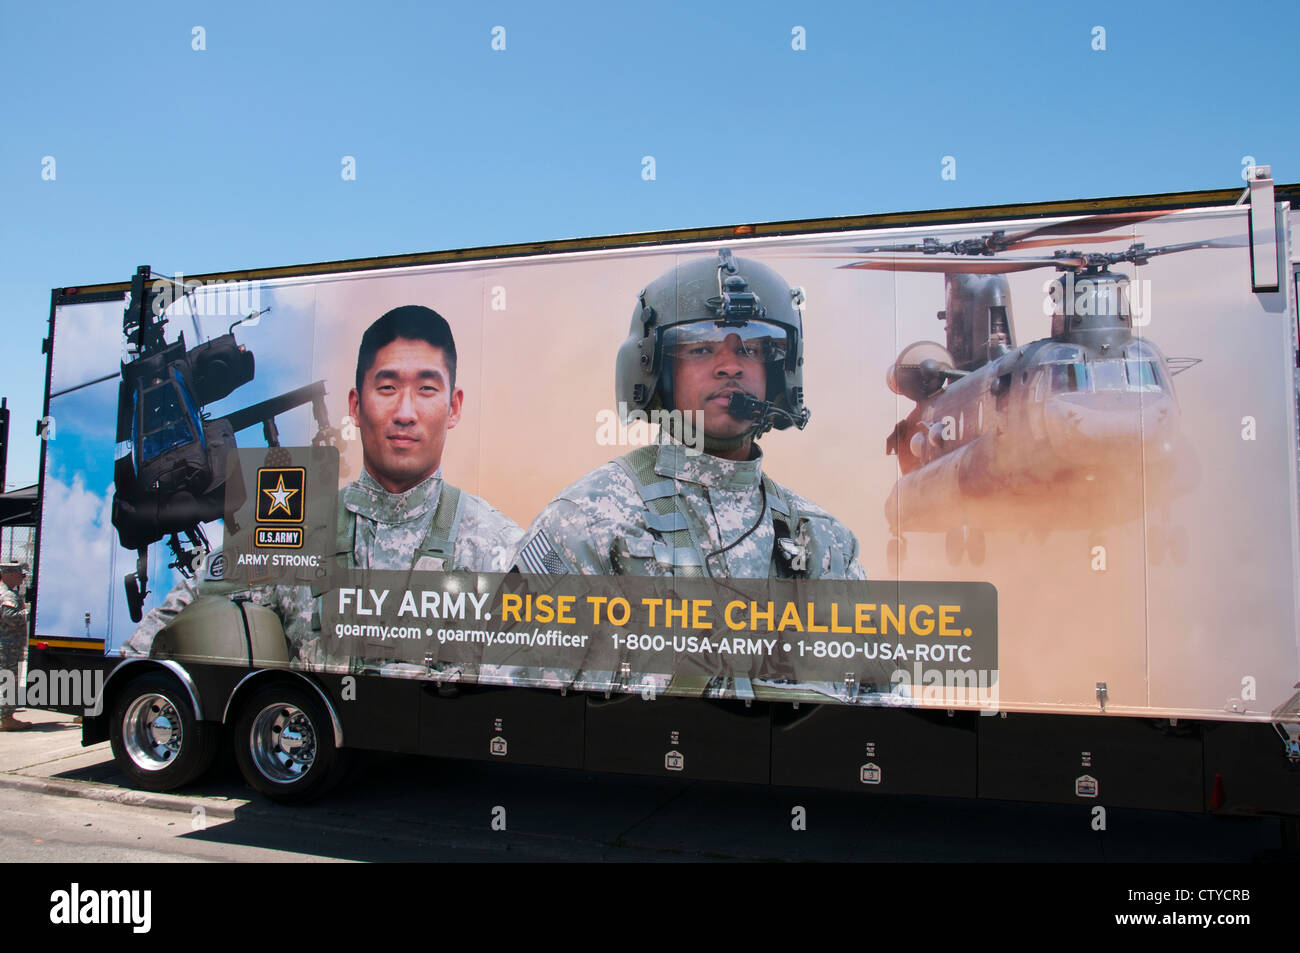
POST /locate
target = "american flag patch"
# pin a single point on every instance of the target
(539, 556)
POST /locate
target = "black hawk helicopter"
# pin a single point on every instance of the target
(1044, 434)
(175, 477)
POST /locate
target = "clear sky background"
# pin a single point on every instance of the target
(231, 156)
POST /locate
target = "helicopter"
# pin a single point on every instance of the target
(174, 479)
(1005, 435)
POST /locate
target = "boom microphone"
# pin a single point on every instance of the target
(744, 406)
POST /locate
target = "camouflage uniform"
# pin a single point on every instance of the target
(13, 637)
(663, 511)
(603, 524)
(377, 530)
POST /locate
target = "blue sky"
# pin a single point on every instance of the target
(230, 157)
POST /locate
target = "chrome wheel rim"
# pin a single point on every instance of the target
(283, 743)
(151, 732)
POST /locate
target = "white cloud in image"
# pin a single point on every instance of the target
(82, 566)
(87, 343)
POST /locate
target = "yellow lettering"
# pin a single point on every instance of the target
(726, 615)
(926, 625)
(947, 620)
(700, 613)
(652, 605)
(670, 613)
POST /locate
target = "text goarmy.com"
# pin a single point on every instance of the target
(76, 906)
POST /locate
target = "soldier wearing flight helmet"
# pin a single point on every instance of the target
(719, 342)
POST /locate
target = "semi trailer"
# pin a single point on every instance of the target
(994, 502)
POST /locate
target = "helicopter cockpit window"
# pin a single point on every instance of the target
(1109, 375)
(1069, 378)
(1142, 375)
(164, 425)
(191, 409)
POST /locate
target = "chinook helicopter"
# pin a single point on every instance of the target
(1068, 432)
(174, 478)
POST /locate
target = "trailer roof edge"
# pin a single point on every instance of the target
(1171, 200)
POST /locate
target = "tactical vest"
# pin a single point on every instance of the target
(675, 547)
(438, 545)
(676, 550)
(436, 553)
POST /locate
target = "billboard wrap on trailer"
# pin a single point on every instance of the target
(758, 469)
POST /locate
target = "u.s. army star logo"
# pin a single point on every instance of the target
(280, 492)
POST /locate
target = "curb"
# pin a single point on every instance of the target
(107, 793)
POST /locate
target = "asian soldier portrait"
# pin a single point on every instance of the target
(399, 514)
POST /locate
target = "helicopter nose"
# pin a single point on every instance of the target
(1089, 428)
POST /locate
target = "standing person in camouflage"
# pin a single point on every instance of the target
(13, 636)
(719, 343)
(399, 514)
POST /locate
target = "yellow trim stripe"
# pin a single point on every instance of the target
(67, 643)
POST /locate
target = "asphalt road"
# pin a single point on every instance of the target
(408, 808)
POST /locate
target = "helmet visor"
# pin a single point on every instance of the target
(757, 342)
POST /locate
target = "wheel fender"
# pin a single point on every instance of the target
(254, 680)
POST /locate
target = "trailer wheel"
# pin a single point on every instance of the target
(284, 743)
(157, 740)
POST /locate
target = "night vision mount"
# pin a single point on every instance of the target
(734, 302)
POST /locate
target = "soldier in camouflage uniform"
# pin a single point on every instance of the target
(400, 514)
(13, 636)
(722, 338)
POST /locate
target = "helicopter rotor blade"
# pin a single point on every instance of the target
(970, 266)
(997, 245)
(1076, 240)
(98, 380)
(1237, 241)
(995, 242)
(1081, 226)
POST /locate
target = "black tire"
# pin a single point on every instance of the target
(284, 744)
(157, 740)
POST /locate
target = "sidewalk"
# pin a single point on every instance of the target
(49, 759)
(54, 740)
